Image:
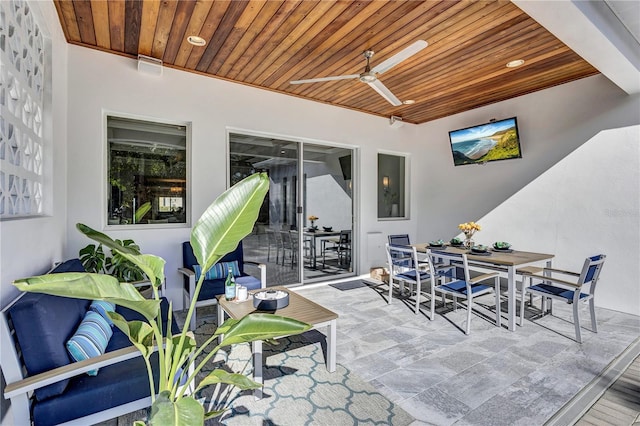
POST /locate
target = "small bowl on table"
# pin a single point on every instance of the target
(456, 242)
(501, 245)
(436, 244)
(479, 249)
(327, 228)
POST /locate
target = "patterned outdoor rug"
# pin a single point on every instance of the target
(298, 388)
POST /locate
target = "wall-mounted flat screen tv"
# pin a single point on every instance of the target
(496, 140)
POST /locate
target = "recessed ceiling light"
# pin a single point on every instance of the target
(515, 63)
(196, 41)
(408, 102)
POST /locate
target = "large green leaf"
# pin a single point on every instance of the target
(81, 285)
(139, 332)
(185, 412)
(228, 220)
(152, 266)
(262, 327)
(220, 376)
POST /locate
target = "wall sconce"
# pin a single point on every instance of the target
(385, 182)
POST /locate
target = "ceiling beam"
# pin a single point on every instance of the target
(593, 32)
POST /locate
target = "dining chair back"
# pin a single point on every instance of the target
(340, 246)
(399, 239)
(272, 242)
(404, 269)
(571, 292)
(467, 288)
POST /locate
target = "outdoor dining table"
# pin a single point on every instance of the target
(505, 261)
(313, 237)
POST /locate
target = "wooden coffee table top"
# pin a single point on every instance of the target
(300, 308)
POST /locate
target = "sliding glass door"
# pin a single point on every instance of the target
(328, 202)
(306, 181)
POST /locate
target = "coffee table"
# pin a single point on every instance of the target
(300, 308)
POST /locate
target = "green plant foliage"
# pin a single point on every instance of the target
(227, 221)
(93, 258)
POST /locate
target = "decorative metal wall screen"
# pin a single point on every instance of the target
(21, 103)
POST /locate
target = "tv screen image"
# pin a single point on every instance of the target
(496, 140)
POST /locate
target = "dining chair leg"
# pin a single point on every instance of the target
(522, 299)
(469, 309)
(576, 321)
(390, 289)
(497, 289)
(418, 293)
(592, 308)
(433, 301)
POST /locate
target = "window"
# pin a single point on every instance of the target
(391, 186)
(22, 100)
(147, 172)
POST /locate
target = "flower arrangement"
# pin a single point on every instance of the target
(469, 228)
(313, 219)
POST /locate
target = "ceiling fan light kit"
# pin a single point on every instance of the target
(370, 75)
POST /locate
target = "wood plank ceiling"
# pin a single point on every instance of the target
(267, 44)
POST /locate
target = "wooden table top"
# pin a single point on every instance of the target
(300, 308)
(513, 258)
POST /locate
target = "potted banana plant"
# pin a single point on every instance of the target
(218, 231)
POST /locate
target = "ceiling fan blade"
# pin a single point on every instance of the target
(316, 80)
(385, 93)
(405, 53)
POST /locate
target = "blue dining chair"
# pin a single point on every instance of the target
(467, 288)
(404, 269)
(399, 239)
(570, 292)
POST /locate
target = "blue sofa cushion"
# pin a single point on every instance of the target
(72, 265)
(189, 259)
(116, 384)
(43, 324)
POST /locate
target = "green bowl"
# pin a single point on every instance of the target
(479, 248)
(501, 245)
(456, 242)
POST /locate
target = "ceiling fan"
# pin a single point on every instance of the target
(369, 75)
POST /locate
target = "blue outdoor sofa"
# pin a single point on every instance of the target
(45, 385)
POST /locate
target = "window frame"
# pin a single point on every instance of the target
(106, 166)
(404, 197)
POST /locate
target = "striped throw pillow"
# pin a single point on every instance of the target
(218, 271)
(90, 339)
(102, 307)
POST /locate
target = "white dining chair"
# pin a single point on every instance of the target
(467, 288)
(582, 289)
(404, 269)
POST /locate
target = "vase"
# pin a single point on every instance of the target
(468, 242)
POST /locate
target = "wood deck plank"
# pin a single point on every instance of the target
(620, 404)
